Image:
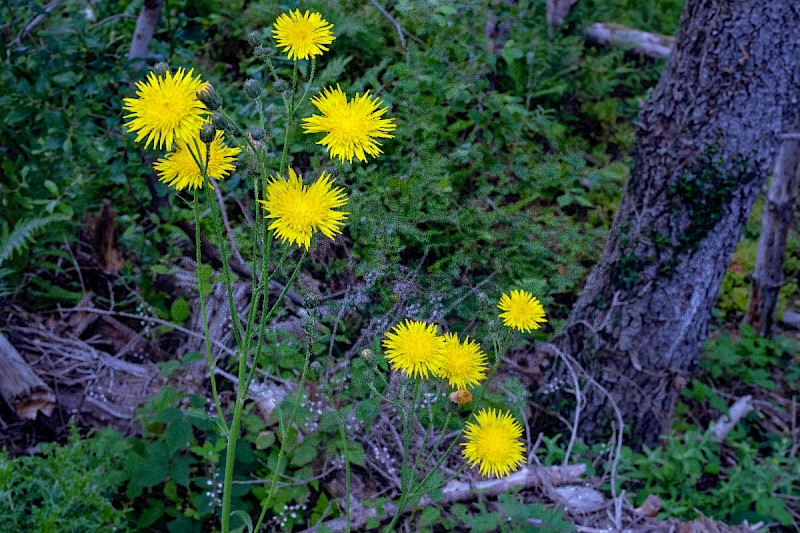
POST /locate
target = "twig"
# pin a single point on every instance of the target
(614, 407)
(398, 27)
(148, 319)
(35, 21)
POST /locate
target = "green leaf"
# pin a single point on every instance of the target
(304, 454)
(355, 454)
(429, 516)
(244, 518)
(179, 310)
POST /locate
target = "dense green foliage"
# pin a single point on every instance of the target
(509, 159)
(68, 489)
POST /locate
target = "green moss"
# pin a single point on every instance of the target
(702, 194)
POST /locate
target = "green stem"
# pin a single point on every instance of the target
(207, 337)
(309, 82)
(406, 474)
(498, 349)
(439, 440)
(236, 321)
(286, 426)
(230, 457)
(306, 362)
(290, 109)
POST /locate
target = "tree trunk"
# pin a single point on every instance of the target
(775, 223)
(705, 140)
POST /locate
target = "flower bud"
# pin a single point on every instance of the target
(160, 68)
(280, 86)
(461, 397)
(210, 97)
(207, 133)
(252, 89)
(263, 52)
(255, 39)
(258, 134)
(220, 123)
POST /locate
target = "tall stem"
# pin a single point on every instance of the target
(406, 472)
(207, 337)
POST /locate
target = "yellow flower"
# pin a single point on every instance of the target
(414, 348)
(494, 443)
(166, 109)
(352, 127)
(521, 311)
(299, 209)
(302, 36)
(464, 364)
(178, 169)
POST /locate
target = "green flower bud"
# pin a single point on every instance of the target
(207, 133)
(252, 89)
(210, 97)
(160, 68)
(258, 134)
(280, 86)
(220, 123)
(255, 39)
(263, 52)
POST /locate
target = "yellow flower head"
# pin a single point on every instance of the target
(179, 169)
(494, 443)
(521, 311)
(166, 109)
(415, 348)
(464, 364)
(302, 36)
(298, 210)
(352, 127)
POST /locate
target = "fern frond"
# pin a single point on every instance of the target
(22, 235)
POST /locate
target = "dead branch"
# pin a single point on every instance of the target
(726, 423)
(456, 491)
(143, 34)
(21, 387)
(649, 44)
(35, 21)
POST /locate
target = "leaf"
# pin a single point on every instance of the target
(304, 454)
(355, 454)
(179, 310)
(245, 518)
(22, 235)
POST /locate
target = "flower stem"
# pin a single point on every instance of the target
(207, 337)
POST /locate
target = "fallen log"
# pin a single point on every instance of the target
(650, 44)
(20, 387)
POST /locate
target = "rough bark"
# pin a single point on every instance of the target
(704, 142)
(21, 388)
(775, 223)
